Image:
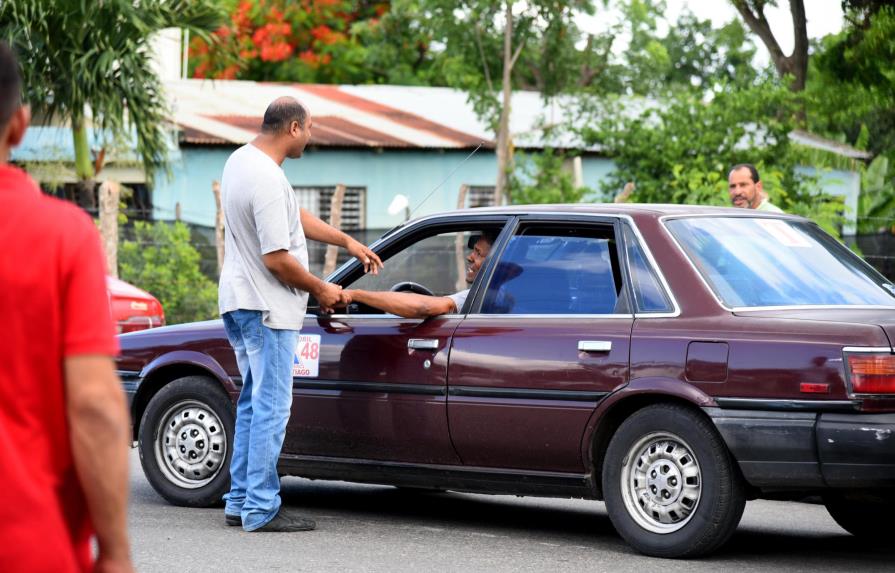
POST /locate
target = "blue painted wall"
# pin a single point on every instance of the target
(383, 173)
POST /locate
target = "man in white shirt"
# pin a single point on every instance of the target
(745, 188)
(412, 305)
(263, 295)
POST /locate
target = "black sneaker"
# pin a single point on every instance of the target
(286, 522)
(233, 520)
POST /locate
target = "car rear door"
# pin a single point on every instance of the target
(548, 338)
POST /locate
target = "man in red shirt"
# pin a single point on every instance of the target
(63, 419)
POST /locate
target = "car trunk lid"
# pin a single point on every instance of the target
(882, 317)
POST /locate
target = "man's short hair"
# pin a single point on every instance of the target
(281, 113)
(489, 235)
(753, 172)
(10, 84)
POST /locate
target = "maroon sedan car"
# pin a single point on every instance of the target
(672, 361)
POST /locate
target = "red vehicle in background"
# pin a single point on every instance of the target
(132, 308)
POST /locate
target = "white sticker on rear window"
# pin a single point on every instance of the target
(306, 363)
(785, 235)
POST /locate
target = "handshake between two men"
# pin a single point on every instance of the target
(407, 304)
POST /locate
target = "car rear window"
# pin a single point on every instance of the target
(756, 262)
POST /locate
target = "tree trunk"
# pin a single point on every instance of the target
(86, 186)
(335, 220)
(109, 197)
(218, 224)
(795, 64)
(504, 138)
(459, 247)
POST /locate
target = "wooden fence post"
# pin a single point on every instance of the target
(459, 247)
(335, 219)
(109, 197)
(218, 224)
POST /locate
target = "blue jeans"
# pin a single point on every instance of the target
(264, 356)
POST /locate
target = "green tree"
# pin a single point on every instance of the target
(85, 61)
(692, 54)
(483, 41)
(793, 66)
(679, 151)
(161, 260)
(852, 86)
(543, 178)
(876, 205)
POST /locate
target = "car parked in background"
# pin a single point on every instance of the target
(133, 309)
(673, 361)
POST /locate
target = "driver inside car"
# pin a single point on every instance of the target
(413, 305)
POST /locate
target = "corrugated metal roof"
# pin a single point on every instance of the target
(215, 112)
(230, 112)
(817, 142)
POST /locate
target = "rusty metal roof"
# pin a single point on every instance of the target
(222, 112)
(230, 113)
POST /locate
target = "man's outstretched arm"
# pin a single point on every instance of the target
(406, 304)
(319, 230)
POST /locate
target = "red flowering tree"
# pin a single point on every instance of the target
(284, 40)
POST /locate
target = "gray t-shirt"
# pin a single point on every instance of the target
(459, 299)
(261, 215)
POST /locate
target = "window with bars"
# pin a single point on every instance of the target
(317, 199)
(480, 196)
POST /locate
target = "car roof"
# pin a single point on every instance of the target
(631, 209)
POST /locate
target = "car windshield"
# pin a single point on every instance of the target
(755, 262)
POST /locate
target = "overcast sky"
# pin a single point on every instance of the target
(824, 17)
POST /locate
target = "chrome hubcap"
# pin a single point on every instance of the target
(661, 482)
(191, 446)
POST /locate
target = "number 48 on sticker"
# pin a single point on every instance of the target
(306, 363)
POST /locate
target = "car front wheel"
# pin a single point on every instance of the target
(186, 437)
(671, 487)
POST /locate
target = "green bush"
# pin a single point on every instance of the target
(160, 259)
(542, 178)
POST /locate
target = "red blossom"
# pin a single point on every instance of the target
(228, 73)
(308, 57)
(276, 52)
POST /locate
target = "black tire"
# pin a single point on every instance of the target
(188, 460)
(670, 485)
(863, 514)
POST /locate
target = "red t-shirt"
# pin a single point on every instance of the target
(53, 304)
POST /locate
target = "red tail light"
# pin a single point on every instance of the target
(872, 373)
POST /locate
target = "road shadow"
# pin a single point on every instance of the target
(586, 524)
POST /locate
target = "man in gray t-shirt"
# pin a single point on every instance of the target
(412, 305)
(263, 295)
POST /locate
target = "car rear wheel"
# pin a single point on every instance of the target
(670, 485)
(186, 438)
(865, 515)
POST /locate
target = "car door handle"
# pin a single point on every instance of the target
(594, 345)
(423, 343)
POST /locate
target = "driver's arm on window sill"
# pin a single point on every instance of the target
(406, 304)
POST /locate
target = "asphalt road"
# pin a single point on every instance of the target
(379, 528)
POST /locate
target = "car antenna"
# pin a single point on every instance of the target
(437, 187)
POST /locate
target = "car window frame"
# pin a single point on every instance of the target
(402, 238)
(628, 223)
(498, 250)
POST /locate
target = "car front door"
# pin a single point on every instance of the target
(373, 386)
(547, 339)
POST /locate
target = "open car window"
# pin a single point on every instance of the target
(557, 269)
(436, 262)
